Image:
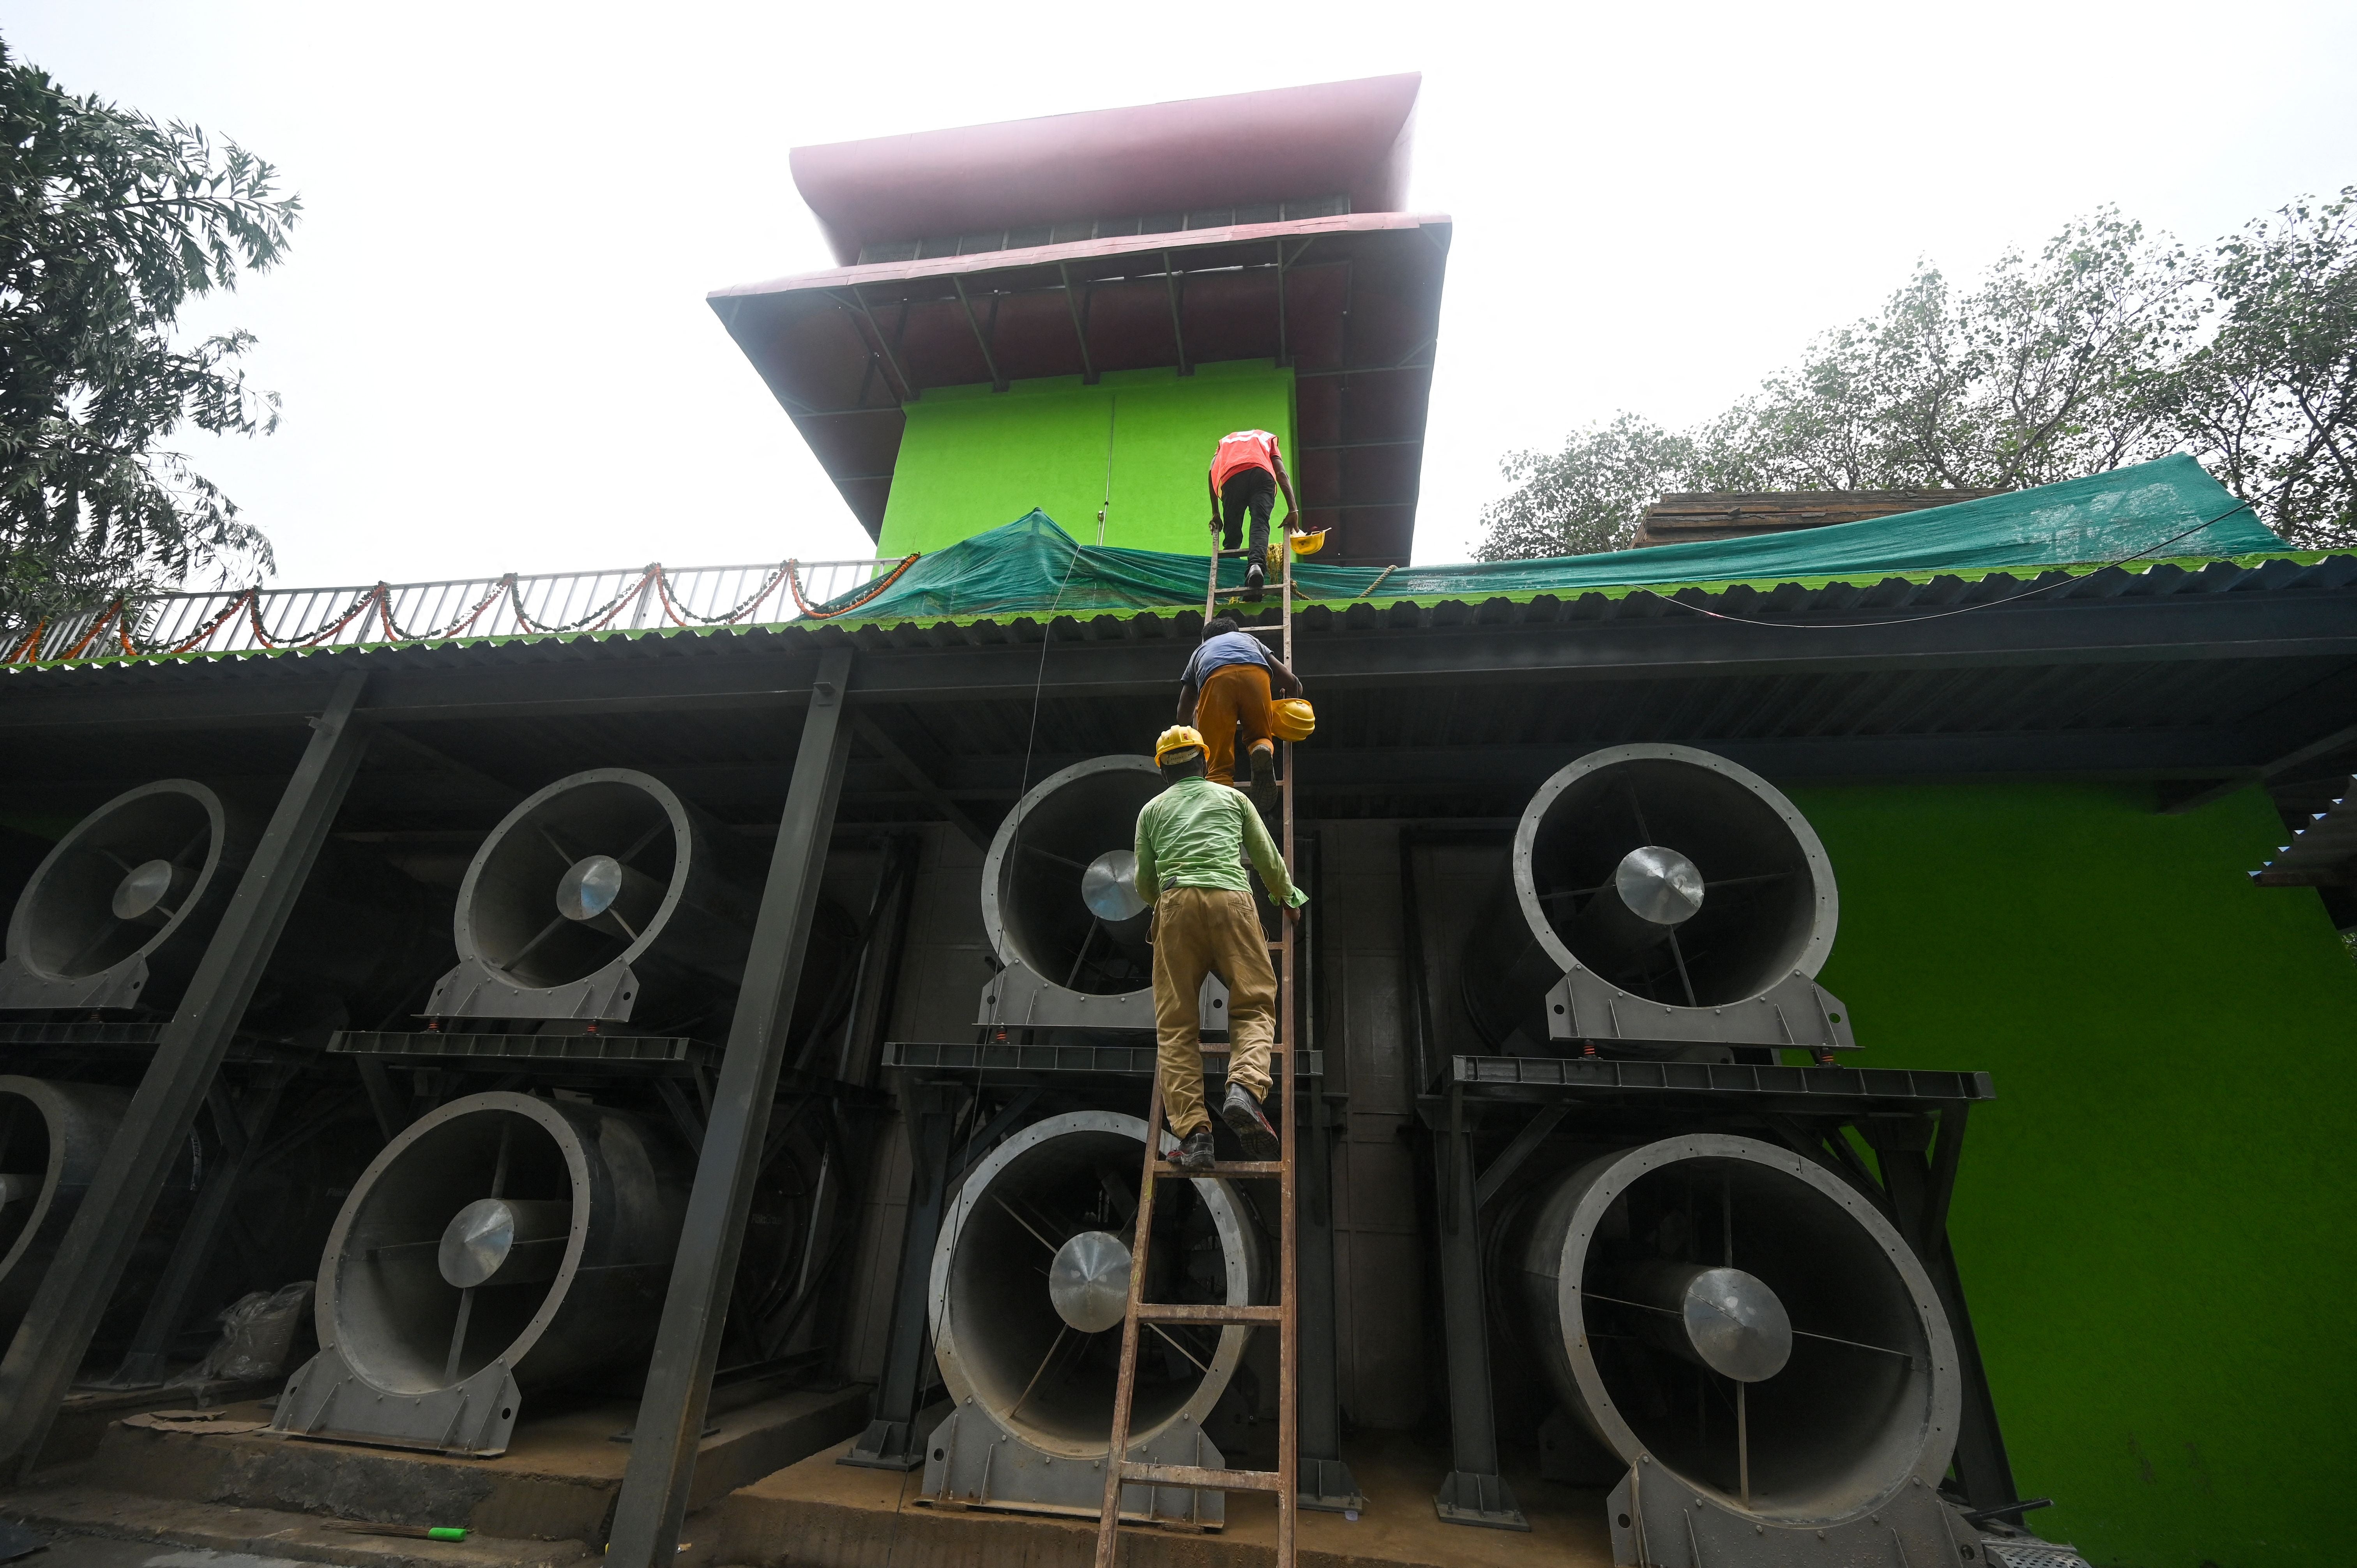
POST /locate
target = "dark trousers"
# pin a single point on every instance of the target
(1247, 489)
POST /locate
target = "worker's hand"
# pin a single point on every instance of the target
(1287, 524)
(1293, 914)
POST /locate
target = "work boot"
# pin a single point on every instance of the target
(1194, 1152)
(1242, 1113)
(1255, 577)
(1263, 776)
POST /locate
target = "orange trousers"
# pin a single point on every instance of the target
(1232, 696)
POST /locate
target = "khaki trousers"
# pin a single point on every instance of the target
(1199, 931)
(1231, 695)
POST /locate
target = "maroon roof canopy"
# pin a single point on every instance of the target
(1336, 138)
(1352, 303)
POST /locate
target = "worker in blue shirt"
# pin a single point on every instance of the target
(1230, 683)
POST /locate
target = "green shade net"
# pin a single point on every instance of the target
(2170, 509)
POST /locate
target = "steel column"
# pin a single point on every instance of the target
(1475, 1492)
(1326, 1482)
(653, 1501)
(47, 1351)
(891, 1440)
(148, 1362)
(1919, 1194)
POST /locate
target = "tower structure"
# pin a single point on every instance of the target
(1068, 313)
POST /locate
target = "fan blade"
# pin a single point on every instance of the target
(1743, 1442)
(644, 838)
(1061, 1329)
(458, 1334)
(1023, 1223)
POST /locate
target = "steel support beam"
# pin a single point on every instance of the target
(981, 338)
(1475, 1491)
(1919, 1189)
(147, 1362)
(909, 390)
(1326, 1483)
(892, 1440)
(908, 767)
(653, 1500)
(47, 1353)
(1080, 329)
(1178, 329)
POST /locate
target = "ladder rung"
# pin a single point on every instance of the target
(1242, 1167)
(1206, 1480)
(1206, 1312)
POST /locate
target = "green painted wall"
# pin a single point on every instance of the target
(973, 459)
(2154, 1219)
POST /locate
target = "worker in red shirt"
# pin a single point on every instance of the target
(1247, 471)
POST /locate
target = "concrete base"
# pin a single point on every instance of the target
(820, 1514)
(87, 1412)
(549, 1499)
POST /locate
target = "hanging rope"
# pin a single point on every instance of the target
(794, 581)
(114, 623)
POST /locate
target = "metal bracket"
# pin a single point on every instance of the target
(1466, 1497)
(1018, 998)
(328, 1401)
(1662, 1523)
(476, 990)
(973, 1462)
(1795, 1014)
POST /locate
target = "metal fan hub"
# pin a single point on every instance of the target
(1109, 887)
(1659, 885)
(498, 1240)
(1089, 1280)
(145, 891)
(589, 887)
(1736, 1324)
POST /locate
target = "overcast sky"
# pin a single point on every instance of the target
(492, 335)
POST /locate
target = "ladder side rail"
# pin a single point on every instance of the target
(1288, 1409)
(1125, 1382)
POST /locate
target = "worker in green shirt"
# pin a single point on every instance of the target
(1192, 843)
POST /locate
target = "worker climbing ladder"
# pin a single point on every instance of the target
(1138, 1314)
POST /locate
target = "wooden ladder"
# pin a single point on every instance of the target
(1285, 1480)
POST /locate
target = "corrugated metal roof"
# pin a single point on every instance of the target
(1889, 600)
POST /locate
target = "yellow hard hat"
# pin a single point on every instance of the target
(1177, 738)
(1292, 718)
(1310, 544)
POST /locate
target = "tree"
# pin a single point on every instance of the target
(109, 223)
(2109, 347)
(2271, 400)
(1586, 497)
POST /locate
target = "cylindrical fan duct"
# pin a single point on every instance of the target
(1746, 1319)
(120, 911)
(1674, 875)
(1032, 1268)
(604, 895)
(52, 1137)
(1058, 893)
(506, 1227)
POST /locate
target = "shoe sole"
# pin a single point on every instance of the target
(1260, 1139)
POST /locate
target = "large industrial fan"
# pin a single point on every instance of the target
(52, 1137)
(119, 913)
(1061, 906)
(1759, 1349)
(501, 1244)
(603, 896)
(1662, 900)
(1029, 1279)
